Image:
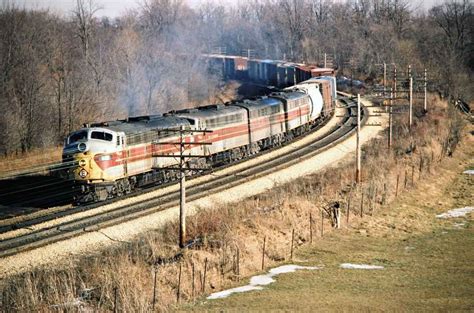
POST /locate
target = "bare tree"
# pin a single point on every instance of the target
(159, 15)
(84, 17)
(456, 20)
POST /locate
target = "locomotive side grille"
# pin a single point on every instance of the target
(68, 159)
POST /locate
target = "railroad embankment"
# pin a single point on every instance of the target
(229, 239)
(414, 254)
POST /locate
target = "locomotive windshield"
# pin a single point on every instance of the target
(101, 136)
(80, 135)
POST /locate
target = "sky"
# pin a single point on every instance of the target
(114, 8)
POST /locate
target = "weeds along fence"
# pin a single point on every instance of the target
(234, 241)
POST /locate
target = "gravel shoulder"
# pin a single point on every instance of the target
(61, 252)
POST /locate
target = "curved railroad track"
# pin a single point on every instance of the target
(61, 231)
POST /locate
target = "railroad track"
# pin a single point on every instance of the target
(127, 212)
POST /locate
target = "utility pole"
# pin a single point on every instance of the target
(352, 73)
(384, 78)
(425, 89)
(410, 96)
(358, 180)
(411, 102)
(182, 193)
(395, 81)
(384, 84)
(390, 134)
(182, 170)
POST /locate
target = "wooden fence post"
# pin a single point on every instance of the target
(322, 223)
(238, 263)
(154, 286)
(421, 166)
(384, 197)
(204, 278)
(193, 285)
(348, 208)
(115, 300)
(263, 252)
(406, 179)
(178, 294)
(398, 180)
(292, 240)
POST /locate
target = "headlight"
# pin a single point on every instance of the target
(83, 173)
(105, 157)
(82, 147)
(82, 162)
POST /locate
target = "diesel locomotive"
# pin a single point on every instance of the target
(109, 159)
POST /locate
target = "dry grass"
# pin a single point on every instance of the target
(33, 162)
(427, 261)
(222, 233)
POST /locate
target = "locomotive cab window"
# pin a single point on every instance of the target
(101, 136)
(81, 135)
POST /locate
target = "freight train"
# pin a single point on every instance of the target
(109, 159)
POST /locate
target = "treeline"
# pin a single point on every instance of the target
(57, 73)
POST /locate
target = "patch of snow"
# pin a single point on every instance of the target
(290, 269)
(409, 248)
(456, 212)
(361, 266)
(469, 172)
(261, 280)
(459, 225)
(74, 303)
(228, 292)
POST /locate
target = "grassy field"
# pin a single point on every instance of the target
(425, 272)
(428, 261)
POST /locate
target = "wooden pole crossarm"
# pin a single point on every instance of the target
(414, 89)
(356, 115)
(185, 143)
(347, 106)
(174, 130)
(398, 98)
(347, 125)
(178, 156)
(383, 112)
(185, 169)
